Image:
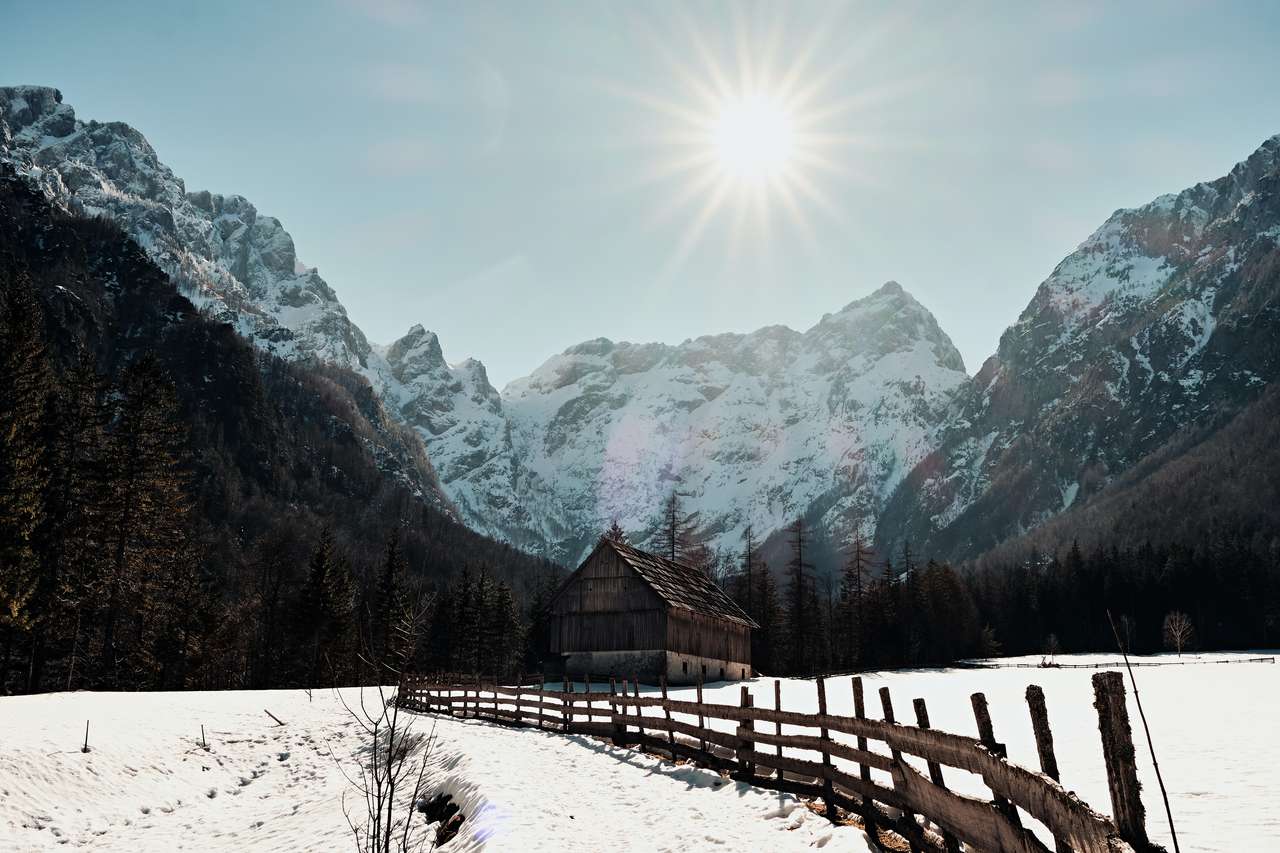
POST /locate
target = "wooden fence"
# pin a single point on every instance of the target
(856, 764)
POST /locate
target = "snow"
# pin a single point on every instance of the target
(1213, 727)
(146, 785)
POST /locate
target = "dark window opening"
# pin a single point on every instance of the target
(722, 673)
(685, 665)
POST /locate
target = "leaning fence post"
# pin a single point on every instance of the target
(1117, 752)
(1044, 745)
(666, 710)
(935, 773)
(860, 711)
(745, 743)
(886, 704)
(987, 734)
(824, 736)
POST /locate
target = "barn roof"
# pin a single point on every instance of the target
(681, 586)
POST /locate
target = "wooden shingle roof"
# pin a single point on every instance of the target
(681, 586)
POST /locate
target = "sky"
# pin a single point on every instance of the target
(519, 177)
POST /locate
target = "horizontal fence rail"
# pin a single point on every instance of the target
(871, 767)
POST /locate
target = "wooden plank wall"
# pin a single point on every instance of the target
(823, 756)
(606, 607)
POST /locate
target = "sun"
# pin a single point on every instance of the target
(753, 138)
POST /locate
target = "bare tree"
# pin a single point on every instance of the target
(390, 778)
(1178, 631)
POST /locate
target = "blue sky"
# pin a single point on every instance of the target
(522, 176)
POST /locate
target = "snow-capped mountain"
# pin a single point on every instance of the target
(240, 265)
(752, 428)
(235, 264)
(1166, 316)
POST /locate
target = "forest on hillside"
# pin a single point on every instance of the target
(181, 510)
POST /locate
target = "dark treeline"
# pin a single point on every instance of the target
(894, 610)
(179, 509)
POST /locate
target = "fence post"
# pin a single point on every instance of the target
(860, 711)
(745, 743)
(702, 742)
(566, 704)
(909, 817)
(987, 734)
(828, 793)
(777, 726)
(619, 731)
(635, 688)
(666, 710)
(1117, 751)
(935, 773)
(1044, 745)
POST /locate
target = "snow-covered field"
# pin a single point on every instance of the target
(147, 785)
(1214, 728)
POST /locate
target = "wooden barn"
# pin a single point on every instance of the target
(626, 612)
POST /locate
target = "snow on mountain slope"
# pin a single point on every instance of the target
(1167, 315)
(235, 264)
(753, 429)
(240, 265)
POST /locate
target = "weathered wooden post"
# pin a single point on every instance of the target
(1117, 752)
(824, 737)
(908, 817)
(666, 710)
(1044, 745)
(987, 734)
(745, 743)
(619, 730)
(635, 689)
(935, 773)
(566, 704)
(777, 724)
(860, 711)
(702, 741)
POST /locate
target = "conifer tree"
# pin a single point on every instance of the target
(23, 477)
(801, 600)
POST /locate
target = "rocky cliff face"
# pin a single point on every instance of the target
(237, 266)
(1166, 316)
(752, 429)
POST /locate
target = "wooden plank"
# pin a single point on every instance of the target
(974, 822)
(834, 747)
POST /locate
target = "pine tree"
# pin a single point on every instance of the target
(675, 538)
(857, 572)
(23, 477)
(801, 600)
(616, 534)
(142, 512)
(388, 606)
(324, 610)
